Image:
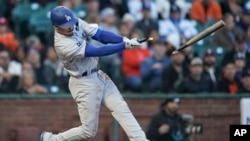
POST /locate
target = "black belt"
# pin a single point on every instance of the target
(92, 71)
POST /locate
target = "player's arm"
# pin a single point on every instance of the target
(91, 51)
(103, 36)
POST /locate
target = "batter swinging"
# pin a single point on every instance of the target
(89, 86)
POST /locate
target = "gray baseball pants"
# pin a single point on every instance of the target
(89, 93)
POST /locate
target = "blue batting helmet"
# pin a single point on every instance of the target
(62, 17)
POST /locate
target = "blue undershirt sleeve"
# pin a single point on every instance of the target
(92, 51)
(106, 37)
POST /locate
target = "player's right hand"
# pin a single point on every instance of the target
(130, 44)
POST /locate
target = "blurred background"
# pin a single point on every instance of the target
(211, 77)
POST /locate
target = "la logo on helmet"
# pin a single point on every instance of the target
(68, 18)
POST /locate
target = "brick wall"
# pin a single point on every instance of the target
(22, 117)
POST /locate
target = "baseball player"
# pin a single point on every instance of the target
(89, 86)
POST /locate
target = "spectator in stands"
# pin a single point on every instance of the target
(92, 6)
(154, 34)
(248, 39)
(34, 42)
(129, 21)
(50, 65)
(147, 23)
(135, 8)
(65, 3)
(20, 55)
(151, 68)
(26, 66)
(7, 38)
(173, 74)
(177, 25)
(211, 70)
(56, 77)
(240, 48)
(226, 37)
(204, 11)
(120, 6)
(29, 85)
(131, 65)
(34, 58)
(244, 21)
(245, 80)
(233, 7)
(228, 82)
(108, 18)
(240, 64)
(163, 7)
(10, 72)
(195, 82)
(168, 124)
(189, 55)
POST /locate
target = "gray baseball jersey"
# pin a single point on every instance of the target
(71, 49)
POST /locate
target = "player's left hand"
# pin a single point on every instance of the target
(133, 43)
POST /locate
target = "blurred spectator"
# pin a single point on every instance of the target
(240, 63)
(189, 55)
(233, 7)
(129, 21)
(26, 66)
(163, 7)
(56, 77)
(66, 3)
(195, 82)
(7, 38)
(10, 72)
(92, 6)
(174, 73)
(226, 37)
(168, 124)
(34, 42)
(177, 25)
(211, 70)
(29, 85)
(244, 21)
(120, 6)
(131, 64)
(152, 67)
(248, 39)
(147, 23)
(240, 48)
(154, 34)
(34, 58)
(135, 8)
(205, 10)
(20, 55)
(245, 80)
(108, 18)
(49, 67)
(228, 82)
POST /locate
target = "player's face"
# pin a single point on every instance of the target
(66, 32)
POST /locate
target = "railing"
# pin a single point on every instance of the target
(131, 96)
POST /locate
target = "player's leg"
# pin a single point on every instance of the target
(87, 93)
(121, 112)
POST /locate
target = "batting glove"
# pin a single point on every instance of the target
(130, 44)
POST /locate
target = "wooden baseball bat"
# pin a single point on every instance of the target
(218, 25)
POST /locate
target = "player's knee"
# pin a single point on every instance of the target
(88, 132)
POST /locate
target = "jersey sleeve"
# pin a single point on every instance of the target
(69, 49)
(89, 29)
